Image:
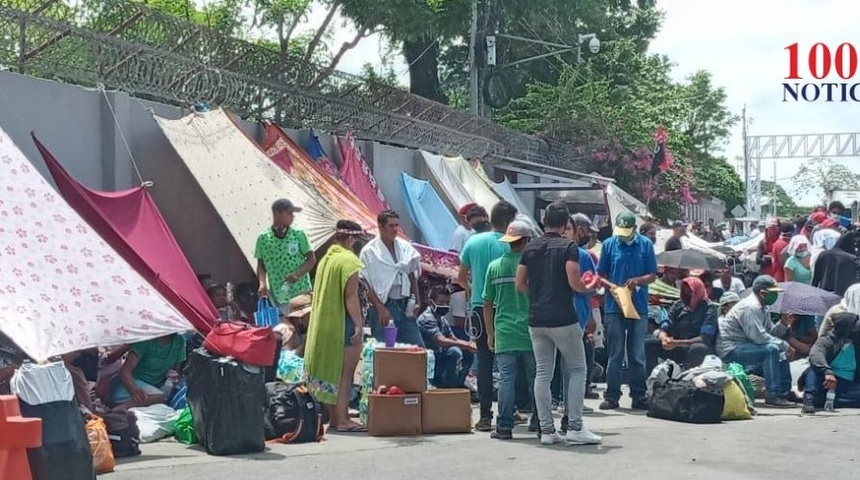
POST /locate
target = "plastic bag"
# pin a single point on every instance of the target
(40, 384)
(155, 422)
(735, 407)
(739, 372)
(183, 428)
(103, 460)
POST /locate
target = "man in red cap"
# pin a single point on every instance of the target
(463, 230)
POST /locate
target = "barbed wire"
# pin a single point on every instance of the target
(128, 46)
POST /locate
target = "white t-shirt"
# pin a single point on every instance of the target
(458, 239)
(736, 286)
(459, 304)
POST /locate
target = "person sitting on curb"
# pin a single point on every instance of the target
(688, 334)
(453, 356)
(748, 336)
(833, 365)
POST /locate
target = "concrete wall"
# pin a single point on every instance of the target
(84, 129)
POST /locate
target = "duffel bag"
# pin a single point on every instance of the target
(681, 401)
(246, 343)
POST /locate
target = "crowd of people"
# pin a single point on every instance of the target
(524, 315)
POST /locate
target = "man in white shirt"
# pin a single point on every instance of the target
(392, 268)
(463, 230)
(729, 283)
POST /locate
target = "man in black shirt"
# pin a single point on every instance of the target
(549, 272)
(679, 230)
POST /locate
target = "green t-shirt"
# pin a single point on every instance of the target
(156, 359)
(802, 274)
(281, 257)
(511, 321)
(478, 252)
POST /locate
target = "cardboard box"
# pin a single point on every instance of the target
(394, 415)
(446, 411)
(405, 368)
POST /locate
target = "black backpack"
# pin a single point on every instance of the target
(681, 401)
(123, 433)
(292, 415)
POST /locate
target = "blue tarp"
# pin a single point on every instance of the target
(428, 211)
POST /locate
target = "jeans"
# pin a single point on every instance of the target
(847, 393)
(485, 368)
(625, 337)
(567, 340)
(452, 365)
(462, 335)
(407, 328)
(509, 365)
(687, 357)
(777, 374)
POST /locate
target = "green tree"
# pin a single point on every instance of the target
(785, 205)
(714, 176)
(824, 176)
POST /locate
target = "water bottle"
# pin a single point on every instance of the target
(829, 404)
(390, 334)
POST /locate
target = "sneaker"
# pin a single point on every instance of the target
(582, 437)
(778, 402)
(520, 419)
(502, 435)
(587, 410)
(564, 422)
(592, 395)
(551, 438)
(808, 406)
(471, 383)
(484, 425)
(609, 405)
(639, 404)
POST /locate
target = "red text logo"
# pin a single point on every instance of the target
(821, 73)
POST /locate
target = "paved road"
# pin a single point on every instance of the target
(775, 445)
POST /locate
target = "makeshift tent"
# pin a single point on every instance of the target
(282, 150)
(448, 185)
(240, 181)
(506, 191)
(472, 183)
(358, 177)
(317, 152)
(132, 225)
(428, 211)
(62, 288)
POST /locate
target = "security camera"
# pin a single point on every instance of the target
(594, 45)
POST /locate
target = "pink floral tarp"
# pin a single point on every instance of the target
(61, 287)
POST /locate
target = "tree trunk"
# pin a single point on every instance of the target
(422, 55)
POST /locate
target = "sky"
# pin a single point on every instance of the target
(741, 42)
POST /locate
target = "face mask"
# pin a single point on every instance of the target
(801, 254)
(583, 241)
(482, 226)
(440, 310)
(770, 298)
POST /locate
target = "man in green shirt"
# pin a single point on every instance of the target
(142, 376)
(284, 258)
(506, 318)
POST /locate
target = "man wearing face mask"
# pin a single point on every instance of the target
(453, 356)
(749, 337)
(627, 260)
(284, 258)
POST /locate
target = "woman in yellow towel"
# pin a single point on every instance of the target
(336, 327)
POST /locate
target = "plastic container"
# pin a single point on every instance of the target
(390, 334)
(830, 403)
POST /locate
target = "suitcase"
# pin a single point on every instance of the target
(228, 404)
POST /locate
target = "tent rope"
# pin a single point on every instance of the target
(143, 183)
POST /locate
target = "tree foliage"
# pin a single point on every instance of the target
(824, 176)
(611, 107)
(785, 204)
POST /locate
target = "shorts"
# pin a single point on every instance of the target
(118, 394)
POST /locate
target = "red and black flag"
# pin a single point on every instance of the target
(662, 159)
